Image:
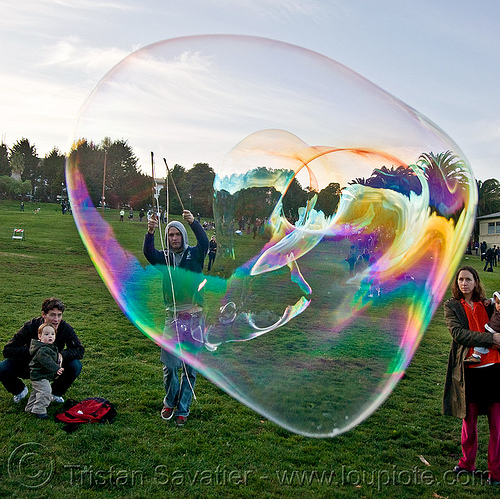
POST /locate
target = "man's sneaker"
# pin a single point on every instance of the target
(57, 399)
(180, 420)
(20, 396)
(167, 413)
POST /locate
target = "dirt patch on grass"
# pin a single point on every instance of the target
(24, 255)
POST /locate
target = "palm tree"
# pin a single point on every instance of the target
(488, 200)
(401, 179)
(447, 179)
(488, 197)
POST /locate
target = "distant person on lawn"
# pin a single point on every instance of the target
(212, 252)
(17, 353)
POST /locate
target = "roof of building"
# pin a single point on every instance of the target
(491, 215)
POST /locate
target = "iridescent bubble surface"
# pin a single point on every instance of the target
(364, 210)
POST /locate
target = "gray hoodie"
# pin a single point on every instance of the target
(177, 257)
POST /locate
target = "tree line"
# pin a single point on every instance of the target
(23, 174)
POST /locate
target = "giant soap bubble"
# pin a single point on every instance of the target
(359, 210)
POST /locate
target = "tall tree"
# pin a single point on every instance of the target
(177, 176)
(5, 168)
(294, 198)
(328, 199)
(121, 173)
(52, 172)
(488, 201)
(199, 182)
(89, 159)
(142, 195)
(16, 161)
(31, 170)
(124, 183)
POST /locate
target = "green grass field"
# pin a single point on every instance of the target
(405, 449)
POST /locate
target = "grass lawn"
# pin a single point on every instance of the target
(405, 449)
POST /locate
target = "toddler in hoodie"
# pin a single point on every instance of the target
(44, 367)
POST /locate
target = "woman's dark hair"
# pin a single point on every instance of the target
(51, 303)
(477, 295)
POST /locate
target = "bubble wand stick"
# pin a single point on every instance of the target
(154, 180)
(172, 284)
(175, 187)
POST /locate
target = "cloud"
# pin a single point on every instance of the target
(71, 52)
(489, 130)
(194, 100)
(89, 4)
(43, 111)
(301, 7)
(38, 15)
(277, 10)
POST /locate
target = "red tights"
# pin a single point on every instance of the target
(469, 439)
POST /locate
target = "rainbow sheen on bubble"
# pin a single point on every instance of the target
(312, 322)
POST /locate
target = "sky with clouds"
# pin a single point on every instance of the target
(440, 57)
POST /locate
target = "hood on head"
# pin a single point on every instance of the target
(36, 344)
(182, 230)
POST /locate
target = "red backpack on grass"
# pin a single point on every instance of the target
(89, 410)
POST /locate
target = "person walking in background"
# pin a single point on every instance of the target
(212, 252)
(489, 260)
(484, 246)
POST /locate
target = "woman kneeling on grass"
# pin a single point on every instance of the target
(472, 389)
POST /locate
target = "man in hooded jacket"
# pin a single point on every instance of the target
(181, 266)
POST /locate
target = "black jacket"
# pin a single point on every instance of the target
(67, 342)
(463, 339)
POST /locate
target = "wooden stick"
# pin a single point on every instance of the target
(175, 187)
(154, 183)
(103, 184)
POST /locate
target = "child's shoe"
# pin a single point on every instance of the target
(473, 359)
